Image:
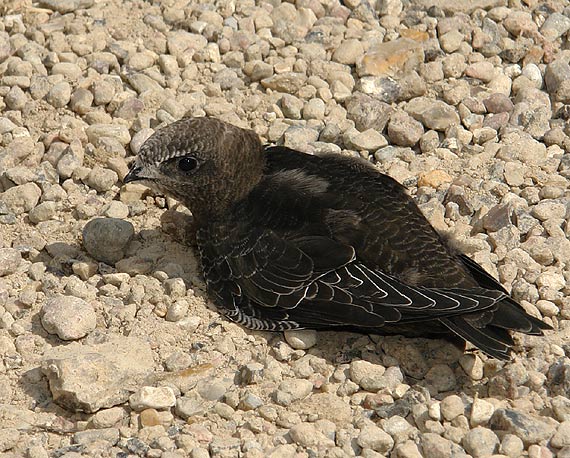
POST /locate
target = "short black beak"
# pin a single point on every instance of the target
(133, 174)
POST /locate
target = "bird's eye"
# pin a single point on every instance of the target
(187, 163)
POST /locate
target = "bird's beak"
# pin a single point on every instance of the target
(134, 174)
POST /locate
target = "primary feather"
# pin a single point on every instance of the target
(288, 240)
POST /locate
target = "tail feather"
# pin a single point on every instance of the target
(478, 337)
(493, 337)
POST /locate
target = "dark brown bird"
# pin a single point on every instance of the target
(290, 240)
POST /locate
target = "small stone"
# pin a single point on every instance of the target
(374, 438)
(451, 407)
(59, 95)
(81, 101)
(106, 239)
(391, 58)
(96, 131)
(555, 26)
(302, 339)
(530, 429)
(498, 103)
(292, 390)
(149, 397)
(43, 212)
(101, 179)
(368, 112)
(66, 6)
(314, 109)
(511, 446)
(369, 140)
(434, 446)
(177, 310)
(481, 412)
(16, 98)
(561, 408)
(434, 114)
(349, 52)
(307, 435)
(90, 436)
(288, 82)
(484, 71)
(108, 418)
(480, 442)
(367, 375)
(250, 402)
(562, 436)
(434, 179)
(404, 130)
(189, 405)
(551, 280)
(291, 106)
(10, 260)
(548, 209)
(21, 199)
(116, 209)
(69, 317)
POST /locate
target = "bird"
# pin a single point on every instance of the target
(289, 240)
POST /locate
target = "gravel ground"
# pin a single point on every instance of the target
(108, 345)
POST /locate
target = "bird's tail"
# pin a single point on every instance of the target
(489, 331)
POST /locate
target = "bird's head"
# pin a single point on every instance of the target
(204, 163)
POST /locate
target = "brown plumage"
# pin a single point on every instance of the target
(289, 240)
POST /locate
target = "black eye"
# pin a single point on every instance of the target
(187, 163)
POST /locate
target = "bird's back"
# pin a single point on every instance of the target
(349, 200)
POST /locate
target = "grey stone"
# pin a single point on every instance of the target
(292, 390)
(10, 260)
(434, 114)
(66, 6)
(480, 442)
(69, 317)
(91, 377)
(368, 112)
(21, 199)
(106, 239)
(59, 95)
(403, 130)
(101, 179)
(374, 438)
(109, 435)
(530, 429)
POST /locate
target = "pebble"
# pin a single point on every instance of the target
(101, 179)
(106, 239)
(436, 115)
(69, 317)
(481, 412)
(530, 429)
(10, 260)
(451, 407)
(403, 130)
(21, 199)
(292, 390)
(149, 397)
(301, 339)
(367, 375)
(480, 442)
(374, 438)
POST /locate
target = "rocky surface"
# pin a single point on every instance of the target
(107, 344)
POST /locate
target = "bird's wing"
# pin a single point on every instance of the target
(316, 281)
